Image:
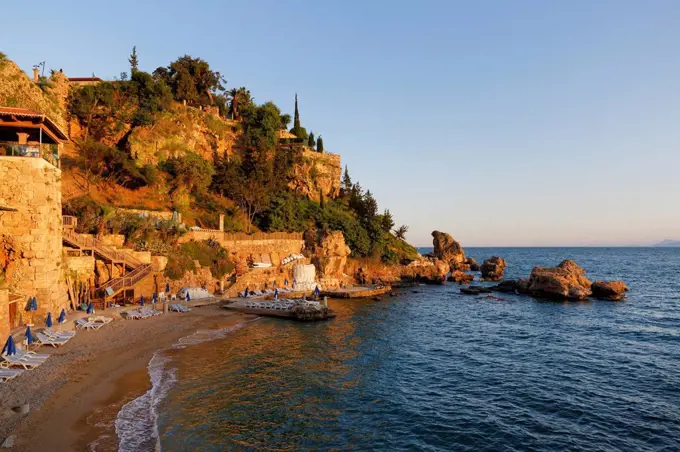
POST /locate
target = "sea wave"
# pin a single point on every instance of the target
(137, 421)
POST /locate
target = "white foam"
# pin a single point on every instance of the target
(137, 421)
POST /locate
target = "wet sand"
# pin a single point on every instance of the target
(75, 395)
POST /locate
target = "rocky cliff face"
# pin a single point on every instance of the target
(319, 173)
(180, 131)
(19, 91)
(447, 249)
(330, 259)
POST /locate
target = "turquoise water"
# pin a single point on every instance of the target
(433, 370)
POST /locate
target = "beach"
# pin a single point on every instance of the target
(76, 394)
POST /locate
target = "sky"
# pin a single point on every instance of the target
(504, 123)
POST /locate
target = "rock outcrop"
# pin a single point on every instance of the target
(493, 268)
(447, 249)
(330, 258)
(475, 290)
(461, 277)
(472, 263)
(566, 281)
(317, 174)
(609, 290)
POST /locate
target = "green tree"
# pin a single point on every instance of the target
(190, 171)
(285, 120)
(192, 81)
(311, 142)
(319, 144)
(346, 183)
(387, 222)
(134, 62)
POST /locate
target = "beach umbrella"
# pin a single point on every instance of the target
(245, 292)
(62, 317)
(141, 300)
(317, 292)
(10, 348)
(90, 308)
(294, 282)
(48, 322)
(33, 304)
(167, 287)
(285, 282)
(153, 298)
(276, 294)
(188, 298)
(29, 336)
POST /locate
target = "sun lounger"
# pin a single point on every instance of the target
(100, 319)
(54, 341)
(8, 374)
(25, 354)
(53, 333)
(26, 363)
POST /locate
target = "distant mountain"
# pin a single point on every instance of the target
(668, 242)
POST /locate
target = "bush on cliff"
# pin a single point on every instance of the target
(207, 253)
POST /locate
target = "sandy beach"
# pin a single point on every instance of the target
(75, 395)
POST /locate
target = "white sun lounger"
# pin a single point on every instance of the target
(59, 334)
(100, 319)
(9, 374)
(44, 339)
(84, 324)
(26, 363)
(32, 355)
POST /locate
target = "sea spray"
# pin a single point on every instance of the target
(139, 417)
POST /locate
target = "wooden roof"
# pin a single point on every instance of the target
(16, 114)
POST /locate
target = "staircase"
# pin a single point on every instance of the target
(138, 270)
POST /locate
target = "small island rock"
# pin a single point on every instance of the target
(474, 266)
(447, 249)
(566, 281)
(609, 290)
(493, 268)
(461, 277)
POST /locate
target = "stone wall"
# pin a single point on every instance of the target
(31, 234)
(80, 267)
(263, 247)
(4, 313)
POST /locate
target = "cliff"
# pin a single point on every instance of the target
(180, 130)
(18, 90)
(319, 173)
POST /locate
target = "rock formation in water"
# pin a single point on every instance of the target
(330, 258)
(566, 281)
(609, 290)
(493, 268)
(474, 266)
(461, 277)
(447, 249)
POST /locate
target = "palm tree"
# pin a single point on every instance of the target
(237, 97)
(400, 232)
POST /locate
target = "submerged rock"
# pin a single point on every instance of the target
(609, 290)
(474, 266)
(475, 290)
(493, 268)
(566, 281)
(512, 286)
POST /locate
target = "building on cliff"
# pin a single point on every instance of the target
(28, 133)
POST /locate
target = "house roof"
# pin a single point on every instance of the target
(44, 119)
(283, 133)
(84, 79)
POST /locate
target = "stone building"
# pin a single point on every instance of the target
(30, 220)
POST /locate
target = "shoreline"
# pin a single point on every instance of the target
(76, 394)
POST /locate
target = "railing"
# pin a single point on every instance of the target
(240, 236)
(91, 243)
(111, 287)
(69, 221)
(49, 152)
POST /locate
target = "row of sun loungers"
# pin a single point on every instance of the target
(142, 313)
(291, 258)
(27, 360)
(179, 308)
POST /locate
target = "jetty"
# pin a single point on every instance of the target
(357, 292)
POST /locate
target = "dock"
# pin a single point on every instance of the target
(259, 307)
(357, 292)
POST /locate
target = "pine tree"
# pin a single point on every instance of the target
(346, 183)
(134, 63)
(311, 142)
(319, 144)
(322, 202)
(387, 222)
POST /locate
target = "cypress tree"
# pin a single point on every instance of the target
(319, 144)
(296, 120)
(311, 142)
(134, 62)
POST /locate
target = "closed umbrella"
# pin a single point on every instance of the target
(141, 300)
(317, 292)
(167, 287)
(245, 292)
(62, 317)
(29, 336)
(33, 304)
(188, 298)
(90, 308)
(10, 348)
(276, 294)
(285, 282)
(48, 322)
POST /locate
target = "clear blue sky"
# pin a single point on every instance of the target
(525, 122)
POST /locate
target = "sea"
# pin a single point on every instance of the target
(434, 370)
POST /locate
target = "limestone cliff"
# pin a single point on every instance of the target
(318, 174)
(19, 91)
(183, 130)
(330, 258)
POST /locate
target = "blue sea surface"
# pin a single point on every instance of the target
(434, 370)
